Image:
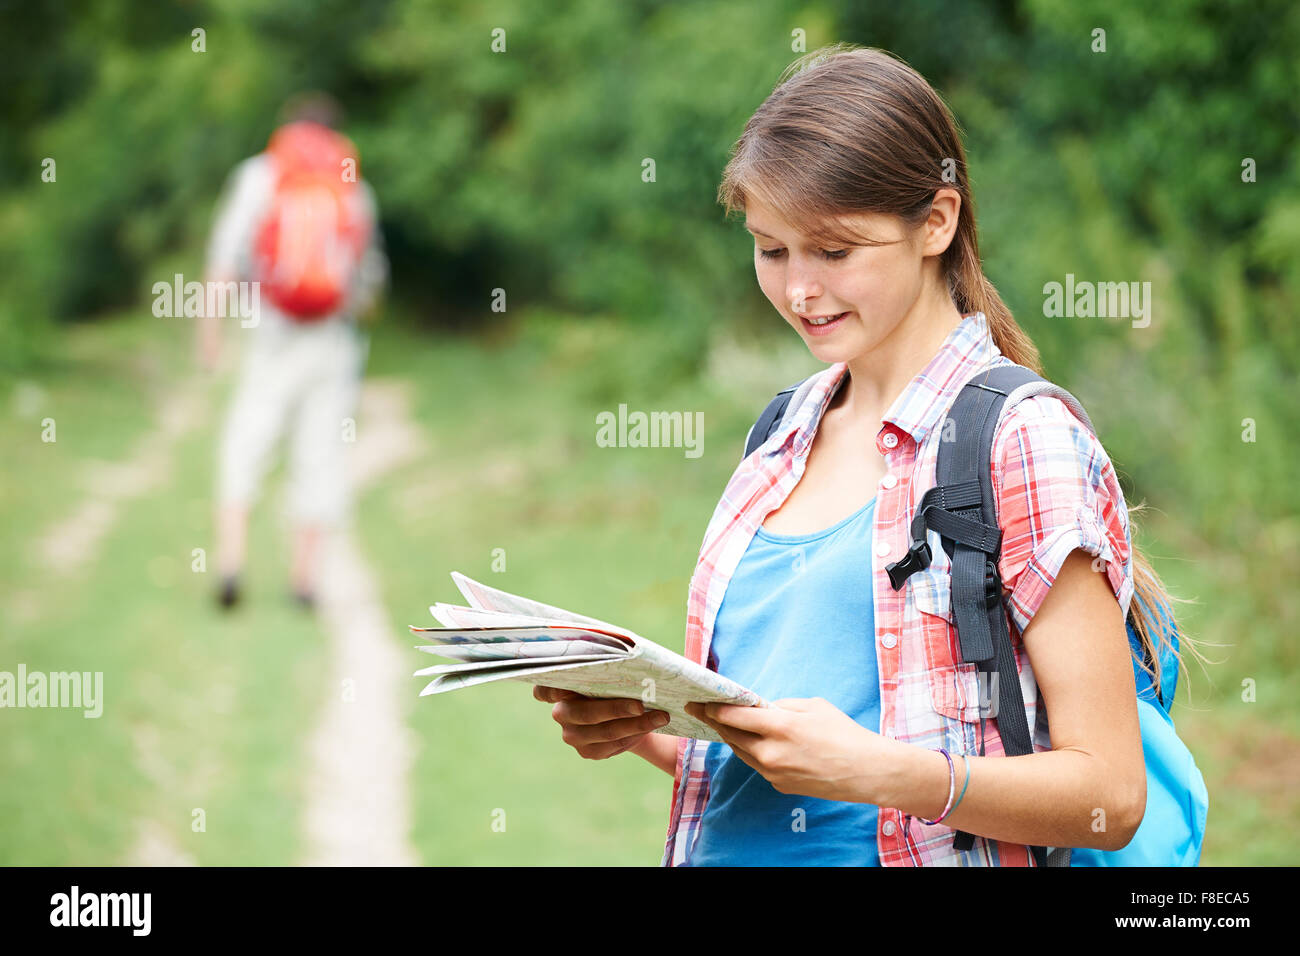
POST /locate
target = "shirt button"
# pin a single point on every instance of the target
(887, 828)
(890, 440)
(882, 549)
(888, 481)
(889, 640)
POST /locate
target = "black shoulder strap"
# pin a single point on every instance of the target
(767, 421)
(961, 509)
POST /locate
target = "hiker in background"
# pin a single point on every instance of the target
(298, 220)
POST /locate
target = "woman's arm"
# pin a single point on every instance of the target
(1090, 789)
(660, 750)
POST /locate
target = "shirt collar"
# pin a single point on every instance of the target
(968, 348)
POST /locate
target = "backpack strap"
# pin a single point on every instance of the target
(767, 422)
(785, 404)
(961, 510)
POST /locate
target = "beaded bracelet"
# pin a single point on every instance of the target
(952, 788)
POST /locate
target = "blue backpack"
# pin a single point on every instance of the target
(960, 510)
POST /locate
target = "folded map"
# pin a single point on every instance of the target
(502, 636)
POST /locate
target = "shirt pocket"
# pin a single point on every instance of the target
(954, 686)
(932, 591)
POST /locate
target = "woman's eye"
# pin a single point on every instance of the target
(826, 253)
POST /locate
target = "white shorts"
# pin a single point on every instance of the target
(304, 378)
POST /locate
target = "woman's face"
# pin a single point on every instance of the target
(868, 289)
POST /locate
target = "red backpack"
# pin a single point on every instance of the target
(310, 244)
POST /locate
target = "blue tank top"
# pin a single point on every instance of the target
(796, 621)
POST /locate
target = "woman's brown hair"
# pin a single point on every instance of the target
(851, 130)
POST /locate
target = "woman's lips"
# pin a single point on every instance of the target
(825, 329)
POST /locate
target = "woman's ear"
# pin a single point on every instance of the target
(941, 225)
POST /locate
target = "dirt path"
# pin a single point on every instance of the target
(357, 792)
(358, 795)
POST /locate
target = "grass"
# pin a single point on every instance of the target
(200, 713)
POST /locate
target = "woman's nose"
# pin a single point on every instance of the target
(797, 293)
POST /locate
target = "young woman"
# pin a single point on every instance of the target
(853, 181)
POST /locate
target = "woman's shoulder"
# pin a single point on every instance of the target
(1055, 490)
(1051, 422)
(1043, 411)
(1049, 467)
(1045, 454)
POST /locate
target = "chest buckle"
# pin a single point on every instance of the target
(916, 559)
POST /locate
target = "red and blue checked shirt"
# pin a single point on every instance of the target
(1055, 490)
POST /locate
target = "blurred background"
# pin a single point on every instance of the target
(227, 739)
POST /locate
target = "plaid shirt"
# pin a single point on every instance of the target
(1055, 490)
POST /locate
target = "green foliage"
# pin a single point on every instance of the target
(520, 170)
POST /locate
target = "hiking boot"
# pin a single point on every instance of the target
(228, 595)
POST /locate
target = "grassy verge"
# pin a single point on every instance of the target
(199, 713)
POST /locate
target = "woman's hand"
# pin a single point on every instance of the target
(807, 746)
(599, 727)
